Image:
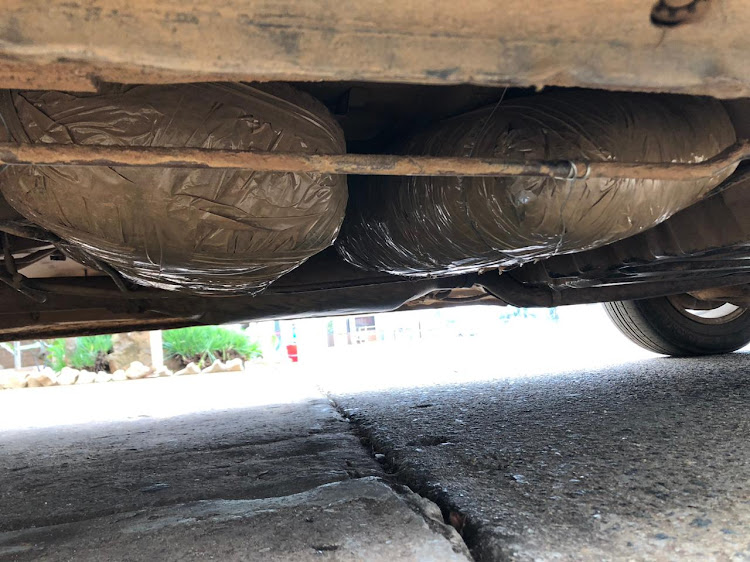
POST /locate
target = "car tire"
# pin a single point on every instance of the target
(663, 326)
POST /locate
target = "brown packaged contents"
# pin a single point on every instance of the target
(201, 231)
(434, 226)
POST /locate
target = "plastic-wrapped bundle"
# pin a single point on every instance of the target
(195, 230)
(450, 225)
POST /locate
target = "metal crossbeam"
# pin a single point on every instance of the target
(362, 164)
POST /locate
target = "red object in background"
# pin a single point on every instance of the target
(291, 351)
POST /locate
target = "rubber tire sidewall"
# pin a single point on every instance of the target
(656, 325)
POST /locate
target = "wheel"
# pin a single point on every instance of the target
(681, 325)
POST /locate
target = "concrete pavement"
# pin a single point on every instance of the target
(253, 474)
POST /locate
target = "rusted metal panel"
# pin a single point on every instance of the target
(73, 44)
(363, 164)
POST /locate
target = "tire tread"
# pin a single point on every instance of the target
(632, 324)
(656, 325)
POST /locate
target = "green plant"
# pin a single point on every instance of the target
(205, 344)
(55, 355)
(89, 352)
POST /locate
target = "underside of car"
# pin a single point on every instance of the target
(190, 163)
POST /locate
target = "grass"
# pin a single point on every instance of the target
(202, 344)
(55, 355)
(205, 344)
(88, 353)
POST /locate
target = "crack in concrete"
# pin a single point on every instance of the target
(415, 480)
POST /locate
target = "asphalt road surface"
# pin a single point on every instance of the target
(644, 461)
(641, 461)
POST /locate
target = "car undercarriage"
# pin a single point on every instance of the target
(191, 164)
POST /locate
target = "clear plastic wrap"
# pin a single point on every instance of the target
(449, 225)
(196, 230)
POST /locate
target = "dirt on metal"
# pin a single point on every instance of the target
(617, 44)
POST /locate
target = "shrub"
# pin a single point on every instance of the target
(205, 344)
(89, 352)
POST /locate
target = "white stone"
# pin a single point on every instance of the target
(67, 376)
(85, 377)
(137, 370)
(235, 364)
(119, 375)
(162, 372)
(45, 377)
(13, 380)
(191, 369)
(103, 376)
(215, 367)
